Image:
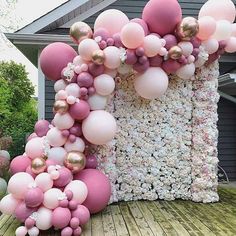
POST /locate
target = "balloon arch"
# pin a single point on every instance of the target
(57, 175)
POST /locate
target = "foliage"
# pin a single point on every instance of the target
(18, 110)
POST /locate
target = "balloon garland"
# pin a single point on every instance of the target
(57, 175)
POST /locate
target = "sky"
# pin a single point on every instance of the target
(24, 13)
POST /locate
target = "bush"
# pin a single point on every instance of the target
(18, 112)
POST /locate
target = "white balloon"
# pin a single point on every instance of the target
(57, 154)
(104, 84)
(59, 85)
(55, 138)
(33, 231)
(5, 154)
(97, 102)
(73, 89)
(186, 47)
(151, 84)
(63, 121)
(8, 204)
(211, 45)
(79, 190)
(44, 181)
(78, 145)
(186, 72)
(51, 198)
(21, 231)
(223, 30)
(44, 218)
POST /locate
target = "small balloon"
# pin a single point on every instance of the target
(38, 165)
(80, 31)
(175, 53)
(60, 106)
(75, 161)
(98, 57)
(187, 28)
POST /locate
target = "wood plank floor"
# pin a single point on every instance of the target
(142, 218)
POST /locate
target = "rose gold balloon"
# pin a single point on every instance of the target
(175, 53)
(80, 31)
(187, 28)
(75, 161)
(98, 57)
(60, 107)
(38, 165)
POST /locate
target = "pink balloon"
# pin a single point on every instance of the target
(142, 23)
(231, 45)
(101, 32)
(8, 204)
(96, 70)
(65, 177)
(30, 172)
(55, 137)
(99, 127)
(131, 57)
(86, 48)
(33, 197)
(22, 212)
(211, 45)
(33, 135)
(82, 213)
(34, 148)
(41, 128)
(68, 231)
(156, 61)
(171, 41)
(85, 79)
(29, 223)
(207, 27)
(96, 200)
(219, 10)
(61, 217)
(91, 162)
(112, 20)
(74, 223)
(80, 110)
(170, 66)
(152, 45)
(162, 16)
(18, 184)
(19, 164)
(54, 58)
(127, 35)
(112, 57)
(141, 67)
(63, 121)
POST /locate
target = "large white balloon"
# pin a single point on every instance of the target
(104, 84)
(186, 72)
(151, 84)
(57, 154)
(211, 45)
(44, 218)
(8, 204)
(63, 121)
(99, 127)
(55, 137)
(223, 30)
(97, 102)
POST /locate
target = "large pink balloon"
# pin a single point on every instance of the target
(99, 127)
(58, 221)
(22, 212)
(19, 164)
(152, 84)
(219, 10)
(96, 199)
(54, 58)
(162, 16)
(112, 20)
(82, 213)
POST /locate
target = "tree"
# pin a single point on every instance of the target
(18, 111)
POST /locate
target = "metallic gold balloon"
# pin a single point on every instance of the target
(80, 31)
(38, 165)
(75, 161)
(175, 53)
(187, 28)
(98, 57)
(60, 106)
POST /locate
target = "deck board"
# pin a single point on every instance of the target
(155, 218)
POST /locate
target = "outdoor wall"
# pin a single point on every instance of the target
(165, 149)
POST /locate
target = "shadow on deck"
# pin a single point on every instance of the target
(181, 218)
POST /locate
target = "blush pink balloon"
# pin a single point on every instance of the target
(231, 45)
(61, 217)
(142, 23)
(54, 58)
(55, 137)
(170, 66)
(33, 197)
(65, 177)
(162, 16)
(127, 35)
(34, 148)
(112, 57)
(21, 231)
(152, 45)
(80, 110)
(41, 128)
(19, 164)
(96, 200)
(63, 121)
(8, 204)
(207, 27)
(44, 218)
(171, 41)
(33, 135)
(186, 72)
(86, 48)
(51, 198)
(112, 20)
(219, 10)
(44, 181)
(82, 213)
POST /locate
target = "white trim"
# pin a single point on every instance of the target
(52, 16)
(41, 92)
(227, 96)
(227, 79)
(91, 11)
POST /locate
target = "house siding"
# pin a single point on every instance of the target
(227, 110)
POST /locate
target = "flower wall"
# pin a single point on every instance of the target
(167, 148)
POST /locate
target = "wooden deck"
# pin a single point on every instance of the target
(181, 218)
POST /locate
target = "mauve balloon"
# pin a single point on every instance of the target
(80, 110)
(22, 212)
(171, 41)
(131, 57)
(54, 58)
(170, 66)
(156, 61)
(41, 128)
(96, 70)
(61, 217)
(19, 164)
(162, 16)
